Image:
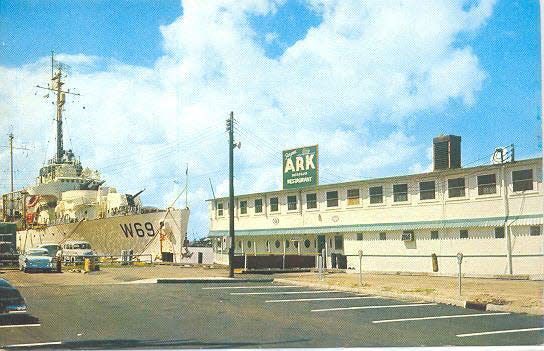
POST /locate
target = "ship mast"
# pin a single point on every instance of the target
(56, 87)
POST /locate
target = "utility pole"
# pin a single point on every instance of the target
(10, 135)
(230, 129)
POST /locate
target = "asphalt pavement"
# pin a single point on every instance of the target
(248, 315)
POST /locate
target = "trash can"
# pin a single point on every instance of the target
(435, 262)
(88, 265)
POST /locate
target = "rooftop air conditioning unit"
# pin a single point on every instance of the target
(408, 235)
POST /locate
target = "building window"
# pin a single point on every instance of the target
(296, 244)
(383, 236)
(277, 244)
(375, 193)
(535, 230)
(434, 234)
(258, 205)
(220, 209)
(332, 198)
(353, 197)
(249, 244)
(359, 236)
(456, 187)
(463, 234)
(400, 192)
(291, 202)
(522, 180)
(273, 204)
(427, 190)
(243, 207)
(311, 201)
(499, 232)
(339, 242)
(307, 243)
(487, 184)
(286, 244)
(268, 246)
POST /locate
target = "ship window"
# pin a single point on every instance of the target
(307, 243)
(286, 244)
(249, 244)
(463, 234)
(499, 232)
(434, 234)
(277, 244)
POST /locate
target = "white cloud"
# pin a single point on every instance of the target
(373, 61)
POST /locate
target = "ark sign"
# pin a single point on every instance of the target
(300, 167)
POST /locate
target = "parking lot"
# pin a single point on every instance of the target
(249, 315)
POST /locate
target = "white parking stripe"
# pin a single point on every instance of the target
(440, 317)
(373, 307)
(251, 287)
(19, 325)
(499, 332)
(35, 344)
(288, 292)
(327, 299)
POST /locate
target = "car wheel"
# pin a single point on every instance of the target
(25, 270)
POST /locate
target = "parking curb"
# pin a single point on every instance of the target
(212, 280)
(454, 302)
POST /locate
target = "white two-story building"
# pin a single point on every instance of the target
(493, 214)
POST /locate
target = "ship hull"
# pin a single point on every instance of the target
(109, 236)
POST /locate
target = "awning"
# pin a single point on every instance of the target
(378, 227)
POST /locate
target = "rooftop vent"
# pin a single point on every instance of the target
(446, 152)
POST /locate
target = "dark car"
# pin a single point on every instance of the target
(11, 300)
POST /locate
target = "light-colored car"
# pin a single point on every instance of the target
(76, 251)
(11, 300)
(37, 259)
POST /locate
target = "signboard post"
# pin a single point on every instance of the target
(300, 167)
(459, 261)
(360, 267)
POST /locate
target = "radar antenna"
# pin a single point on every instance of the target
(56, 87)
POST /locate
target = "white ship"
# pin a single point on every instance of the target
(69, 202)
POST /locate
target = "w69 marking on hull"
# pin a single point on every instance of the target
(136, 228)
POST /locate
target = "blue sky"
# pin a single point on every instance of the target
(372, 83)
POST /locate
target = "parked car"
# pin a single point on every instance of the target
(37, 259)
(51, 248)
(11, 300)
(76, 251)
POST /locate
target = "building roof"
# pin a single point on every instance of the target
(438, 173)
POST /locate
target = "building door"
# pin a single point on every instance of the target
(321, 246)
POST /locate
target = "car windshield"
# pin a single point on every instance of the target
(37, 253)
(82, 246)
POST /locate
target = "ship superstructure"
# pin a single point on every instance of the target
(69, 201)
